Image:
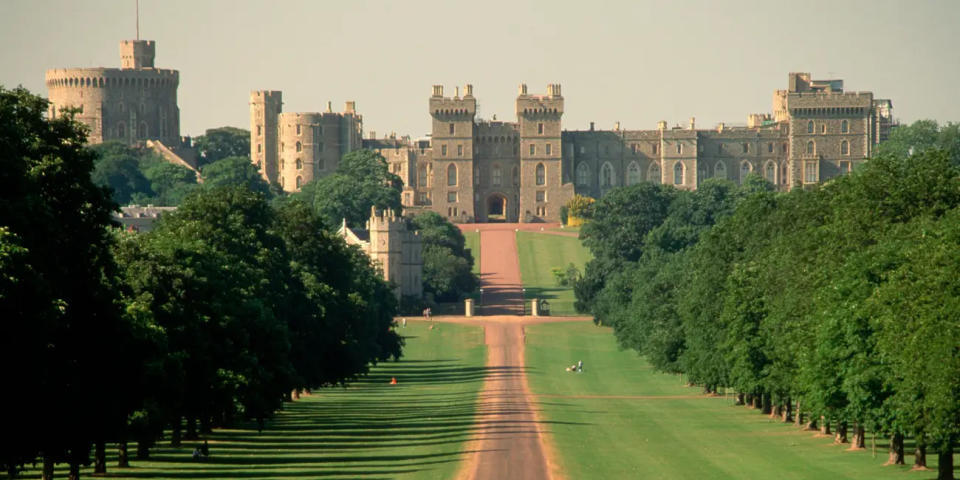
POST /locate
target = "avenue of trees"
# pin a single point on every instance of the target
(835, 307)
(229, 307)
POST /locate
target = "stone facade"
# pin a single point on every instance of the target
(479, 170)
(396, 250)
(293, 149)
(130, 104)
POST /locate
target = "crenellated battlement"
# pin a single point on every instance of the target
(455, 106)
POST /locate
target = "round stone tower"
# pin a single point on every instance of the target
(301, 139)
(130, 104)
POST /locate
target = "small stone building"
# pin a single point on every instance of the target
(396, 250)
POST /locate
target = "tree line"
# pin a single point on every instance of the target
(835, 306)
(230, 306)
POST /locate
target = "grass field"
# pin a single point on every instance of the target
(473, 243)
(540, 252)
(371, 430)
(666, 430)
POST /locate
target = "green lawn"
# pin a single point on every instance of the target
(371, 430)
(671, 432)
(473, 243)
(539, 253)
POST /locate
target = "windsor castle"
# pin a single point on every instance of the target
(476, 170)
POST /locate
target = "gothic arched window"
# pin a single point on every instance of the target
(770, 173)
(452, 175)
(633, 173)
(654, 174)
(541, 174)
(720, 170)
(606, 175)
(496, 175)
(744, 171)
(811, 148)
(678, 173)
(810, 126)
(583, 174)
(844, 148)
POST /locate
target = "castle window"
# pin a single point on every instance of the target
(259, 130)
(142, 132)
(654, 174)
(810, 172)
(770, 147)
(320, 147)
(121, 130)
(259, 148)
(583, 174)
(746, 147)
(299, 181)
(844, 148)
(679, 149)
(540, 129)
(451, 129)
(633, 148)
(744, 171)
(719, 149)
(771, 173)
(844, 127)
(281, 182)
(783, 173)
(283, 147)
(298, 133)
(533, 149)
(811, 148)
(496, 175)
(549, 148)
(459, 150)
(282, 164)
(541, 196)
(299, 145)
(583, 149)
(783, 148)
(452, 175)
(516, 176)
(541, 174)
(452, 197)
(633, 174)
(823, 128)
(810, 126)
(321, 163)
(299, 164)
(422, 198)
(654, 148)
(476, 176)
(678, 174)
(720, 170)
(606, 175)
(443, 150)
(422, 180)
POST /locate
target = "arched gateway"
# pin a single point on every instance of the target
(497, 208)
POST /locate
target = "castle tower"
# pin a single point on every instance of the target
(137, 54)
(265, 109)
(453, 153)
(397, 251)
(132, 104)
(542, 192)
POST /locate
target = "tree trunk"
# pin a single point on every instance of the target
(824, 426)
(920, 455)
(192, 429)
(896, 450)
(47, 468)
(296, 394)
(143, 450)
(765, 406)
(739, 399)
(747, 399)
(859, 433)
(177, 436)
(259, 424)
(206, 425)
(797, 416)
(99, 458)
(74, 471)
(786, 417)
(758, 401)
(945, 462)
(123, 456)
(841, 436)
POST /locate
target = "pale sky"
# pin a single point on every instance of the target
(636, 62)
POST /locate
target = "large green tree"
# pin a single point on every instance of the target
(219, 143)
(362, 180)
(63, 337)
(447, 263)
